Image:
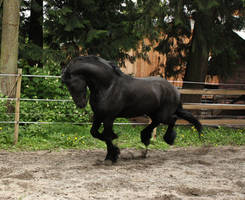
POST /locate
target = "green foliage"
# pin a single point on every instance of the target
(49, 88)
(6, 109)
(42, 88)
(92, 27)
(214, 22)
(71, 28)
(112, 28)
(6, 137)
(224, 61)
(54, 112)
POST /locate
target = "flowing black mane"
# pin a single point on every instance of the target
(97, 61)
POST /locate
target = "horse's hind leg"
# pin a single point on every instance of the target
(146, 133)
(170, 135)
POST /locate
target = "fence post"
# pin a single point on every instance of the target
(17, 106)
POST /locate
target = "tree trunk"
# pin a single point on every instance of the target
(197, 67)
(36, 28)
(9, 44)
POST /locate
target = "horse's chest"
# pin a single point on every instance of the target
(102, 105)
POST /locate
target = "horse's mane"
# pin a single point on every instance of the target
(116, 69)
(96, 59)
(65, 73)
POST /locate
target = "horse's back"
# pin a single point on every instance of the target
(167, 93)
(165, 87)
(148, 95)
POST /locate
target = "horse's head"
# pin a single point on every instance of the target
(77, 87)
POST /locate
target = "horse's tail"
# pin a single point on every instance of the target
(180, 112)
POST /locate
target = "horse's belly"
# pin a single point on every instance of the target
(138, 109)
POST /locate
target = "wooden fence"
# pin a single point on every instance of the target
(190, 106)
(215, 106)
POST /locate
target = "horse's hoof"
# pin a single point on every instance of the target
(111, 160)
(144, 153)
(169, 138)
(108, 162)
(145, 137)
(145, 141)
(113, 156)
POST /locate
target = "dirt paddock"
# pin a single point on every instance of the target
(175, 174)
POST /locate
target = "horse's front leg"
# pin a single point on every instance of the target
(146, 133)
(112, 150)
(95, 127)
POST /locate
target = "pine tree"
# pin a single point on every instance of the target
(212, 35)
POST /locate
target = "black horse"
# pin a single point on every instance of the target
(114, 94)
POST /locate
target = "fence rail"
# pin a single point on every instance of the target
(202, 106)
(212, 91)
(189, 106)
(47, 100)
(217, 122)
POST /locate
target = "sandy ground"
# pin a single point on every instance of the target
(176, 174)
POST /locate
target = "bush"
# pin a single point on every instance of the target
(44, 88)
(6, 109)
(54, 112)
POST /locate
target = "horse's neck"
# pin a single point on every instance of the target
(98, 78)
(99, 82)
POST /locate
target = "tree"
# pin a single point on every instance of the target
(36, 30)
(71, 28)
(9, 44)
(105, 28)
(214, 21)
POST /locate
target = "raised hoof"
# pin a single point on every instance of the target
(169, 138)
(145, 138)
(146, 142)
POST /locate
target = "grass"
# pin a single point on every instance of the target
(55, 137)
